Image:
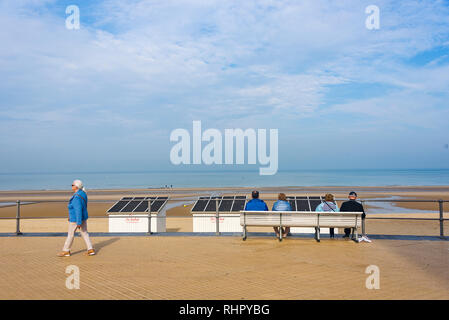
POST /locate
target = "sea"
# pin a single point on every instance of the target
(221, 178)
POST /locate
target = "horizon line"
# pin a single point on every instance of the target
(215, 170)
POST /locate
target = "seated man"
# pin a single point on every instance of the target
(353, 206)
(255, 204)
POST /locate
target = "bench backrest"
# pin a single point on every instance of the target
(300, 218)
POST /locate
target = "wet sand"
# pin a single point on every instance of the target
(179, 217)
(101, 200)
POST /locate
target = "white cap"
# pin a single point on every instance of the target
(78, 184)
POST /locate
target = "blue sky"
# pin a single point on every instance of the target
(106, 97)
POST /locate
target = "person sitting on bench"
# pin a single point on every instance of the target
(352, 206)
(329, 205)
(282, 205)
(255, 204)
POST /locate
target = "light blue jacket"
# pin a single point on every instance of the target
(324, 207)
(78, 207)
(282, 205)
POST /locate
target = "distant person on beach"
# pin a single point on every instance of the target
(282, 205)
(329, 205)
(77, 219)
(353, 206)
(255, 204)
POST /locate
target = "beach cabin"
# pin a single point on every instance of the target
(204, 213)
(132, 214)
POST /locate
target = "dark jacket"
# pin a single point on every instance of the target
(352, 206)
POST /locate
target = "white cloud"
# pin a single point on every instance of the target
(149, 66)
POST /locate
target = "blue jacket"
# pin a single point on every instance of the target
(78, 207)
(282, 205)
(256, 205)
(330, 207)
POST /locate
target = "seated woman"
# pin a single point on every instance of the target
(282, 205)
(329, 205)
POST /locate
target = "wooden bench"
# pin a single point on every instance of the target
(301, 219)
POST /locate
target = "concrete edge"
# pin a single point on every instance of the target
(222, 234)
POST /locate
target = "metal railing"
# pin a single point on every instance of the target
(19, 203)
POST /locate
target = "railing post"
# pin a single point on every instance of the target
(363, 220)
(280, 226)
(217, 216)
(149, 216)
(18, 233)
(244, 225)
(440, 203)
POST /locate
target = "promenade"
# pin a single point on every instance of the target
(161, 267)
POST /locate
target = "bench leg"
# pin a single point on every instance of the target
(280, 233)
(356, 239)
(363, 227)
(317, 233)
(244, 233)
(354, 235)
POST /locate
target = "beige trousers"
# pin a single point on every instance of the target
(71, 235)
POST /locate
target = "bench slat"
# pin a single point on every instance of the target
(299, 218)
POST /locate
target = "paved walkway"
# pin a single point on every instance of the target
(223, 268)
(222, 234)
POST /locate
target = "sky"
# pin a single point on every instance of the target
(107, 96)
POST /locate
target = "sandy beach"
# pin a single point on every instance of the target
(179, 217)
(101, 200)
